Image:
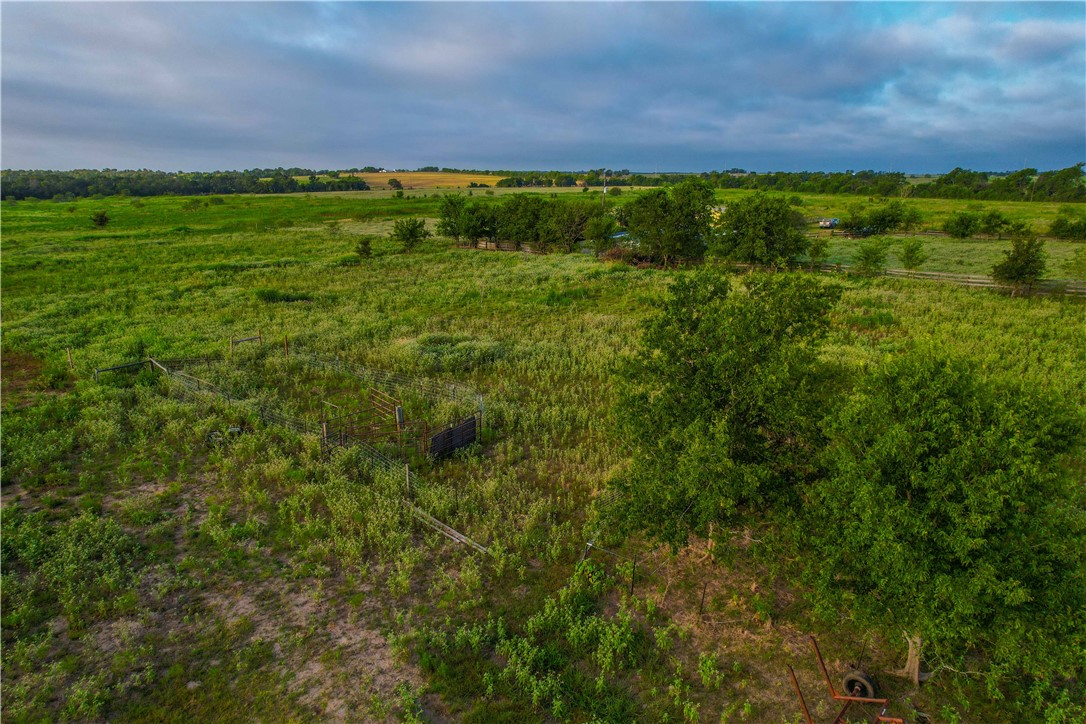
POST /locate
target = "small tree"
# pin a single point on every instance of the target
(395, 184)
(913, 254)
(364, 248)
(672, 224)
(1023, 264)
(818, 250)
(962, 224)
(409, 232)
(993, 223)
(910, 217)
(720, 405)
(870, 257)
(100, 219)
(478, 222)
(565, 223)
(451, 220)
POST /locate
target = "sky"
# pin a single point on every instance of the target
(648, 86)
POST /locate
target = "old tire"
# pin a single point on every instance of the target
(857, 683)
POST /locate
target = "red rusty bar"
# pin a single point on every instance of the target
(799, 693)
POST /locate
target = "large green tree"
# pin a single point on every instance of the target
(451, 220)
(672, 224)
(760, 229)
(945, 512)
(520, 218)
(720, 405)
(565, 224)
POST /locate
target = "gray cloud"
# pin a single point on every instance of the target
(555, 85)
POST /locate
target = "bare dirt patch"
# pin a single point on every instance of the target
(337, 658)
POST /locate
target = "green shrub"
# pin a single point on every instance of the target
(962, 224)
(274, 295)
(913, 254)
(870, 257)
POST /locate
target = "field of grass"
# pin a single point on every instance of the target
(149, 575)
(945, 254)
(933, 211)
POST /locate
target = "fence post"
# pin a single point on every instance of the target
(71, 365)
(95, 374)
(407, 478)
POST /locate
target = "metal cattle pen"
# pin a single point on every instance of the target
(352, 429)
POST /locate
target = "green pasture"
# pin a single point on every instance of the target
(150, 576)
(934, 211)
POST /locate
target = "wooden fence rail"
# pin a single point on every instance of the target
(1069, 287)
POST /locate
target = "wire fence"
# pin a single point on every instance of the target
(182, 382)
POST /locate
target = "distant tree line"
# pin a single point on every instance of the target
(1028, 184)
(110, 182)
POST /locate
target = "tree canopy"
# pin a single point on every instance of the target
(919, 496)
(672, 224)
(760, 229)
(944, 511)
(719, 405)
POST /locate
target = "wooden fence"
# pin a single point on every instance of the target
(504, 246)
(1067, 287)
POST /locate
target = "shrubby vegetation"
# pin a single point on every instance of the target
(890, 216)
(1023, 264)
(919, 496)
(945, 511)
(1069, 224)
(545, 225)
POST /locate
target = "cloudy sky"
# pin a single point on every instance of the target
(646, 86)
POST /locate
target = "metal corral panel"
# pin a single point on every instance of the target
(450, 440)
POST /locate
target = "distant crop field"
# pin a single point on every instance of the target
(429, 180)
